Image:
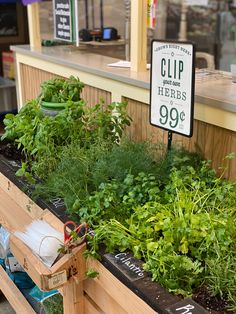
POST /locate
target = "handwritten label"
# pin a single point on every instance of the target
(57, 279)
(57, 202)
(127, 264)
(186, 306)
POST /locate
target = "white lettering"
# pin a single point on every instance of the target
(187, 309)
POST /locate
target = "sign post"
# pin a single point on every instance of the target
(172, 87)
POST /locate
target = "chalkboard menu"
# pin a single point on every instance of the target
(63, 20)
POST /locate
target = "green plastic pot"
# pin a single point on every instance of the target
(52, 109)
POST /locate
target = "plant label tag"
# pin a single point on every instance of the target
(127, 265)
(57, 279)
(186, 306)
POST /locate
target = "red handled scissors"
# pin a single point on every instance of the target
(68, 236)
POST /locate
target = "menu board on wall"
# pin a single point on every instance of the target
(172, 86)
(62, 20)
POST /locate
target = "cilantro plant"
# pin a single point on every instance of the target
(185, 234)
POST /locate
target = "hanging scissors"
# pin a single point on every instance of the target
(78, 230)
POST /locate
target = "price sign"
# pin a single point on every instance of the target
(62, 20)
(172, 86)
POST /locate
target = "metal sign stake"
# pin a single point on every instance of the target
(170, 134)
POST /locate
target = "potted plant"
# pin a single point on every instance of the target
(55, 93)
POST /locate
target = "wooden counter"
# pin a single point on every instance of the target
(215, 96)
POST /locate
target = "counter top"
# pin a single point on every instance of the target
(214, 89)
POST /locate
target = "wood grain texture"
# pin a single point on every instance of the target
(73, 298)
(127, 300)
(33, 77)
(90, 307)
(13, 294)
(26, 203)
(103, 300)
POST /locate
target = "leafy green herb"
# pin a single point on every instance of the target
(92, 273)
(60, 90)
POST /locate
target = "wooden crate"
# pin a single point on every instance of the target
(104, 294)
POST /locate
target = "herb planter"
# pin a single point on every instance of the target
(51, 109)
(121, 287)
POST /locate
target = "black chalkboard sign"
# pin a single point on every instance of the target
(63, 20)
(186, 306)
(127, 264)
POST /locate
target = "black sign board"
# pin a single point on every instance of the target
(63, 20)
(186, 306)
(127, 264)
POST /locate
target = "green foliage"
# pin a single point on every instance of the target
(60, 90)
(42, 138)
(117, 199)
(53, 304)
(76, 178)
(181, 234)
(222, 277)
(129, 158)
(92, 273)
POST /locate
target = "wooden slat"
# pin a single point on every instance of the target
(94, 95)
(26, 203)
(118, 291)
(73, 263)
(32, 264)
(104, 301)
(73, 298)
(12, 217)
(13, 294)
(31, 88)
(90, 307)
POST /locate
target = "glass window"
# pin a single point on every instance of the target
(211, 26)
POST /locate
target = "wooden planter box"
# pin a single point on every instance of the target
(132, 293)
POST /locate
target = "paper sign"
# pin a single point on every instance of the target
(57, 280)
(172, 86)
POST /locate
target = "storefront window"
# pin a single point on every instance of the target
(94, 16)
(211, 25)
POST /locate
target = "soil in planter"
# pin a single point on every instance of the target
(213, 304)
(9, 150)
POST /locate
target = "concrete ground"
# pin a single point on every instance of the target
(5, 307)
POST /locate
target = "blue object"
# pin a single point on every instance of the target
(40, 295)
(107, 34)
(21, 280)
(2, 263)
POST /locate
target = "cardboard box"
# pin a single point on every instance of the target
(8, 64)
